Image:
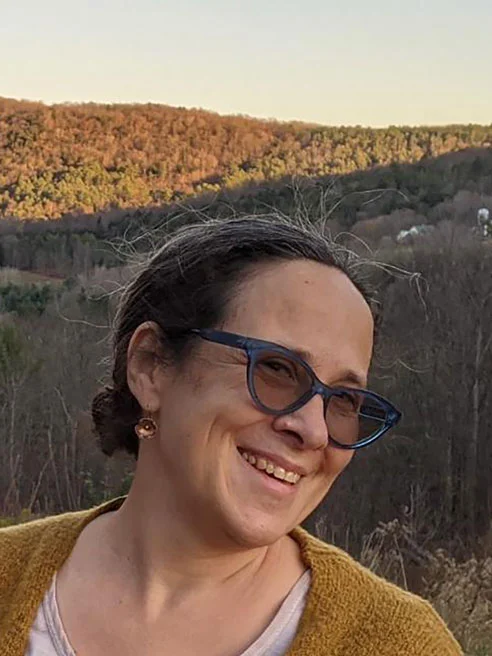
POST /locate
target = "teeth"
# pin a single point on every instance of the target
(277, 472)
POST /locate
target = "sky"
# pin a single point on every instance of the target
(335, 62)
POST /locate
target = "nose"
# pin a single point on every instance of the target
(308, 424)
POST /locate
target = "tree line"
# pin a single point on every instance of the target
(85, 158)
(374, 205)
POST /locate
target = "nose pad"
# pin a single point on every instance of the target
(308, 423)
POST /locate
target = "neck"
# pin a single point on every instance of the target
(161, 548)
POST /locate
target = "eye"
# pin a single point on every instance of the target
(280, 367)
(346, 401)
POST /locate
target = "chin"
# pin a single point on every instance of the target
(254, 529)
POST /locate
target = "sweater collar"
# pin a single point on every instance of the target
(57, 540)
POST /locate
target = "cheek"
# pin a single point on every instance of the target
(335, 461)
(209, 412)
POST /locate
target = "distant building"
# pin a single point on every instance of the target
(484, 222)
(415, 232)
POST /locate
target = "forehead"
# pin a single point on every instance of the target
(308, 306)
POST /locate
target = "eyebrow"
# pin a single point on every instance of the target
(351, 377)
(348, 376)
(301, 353)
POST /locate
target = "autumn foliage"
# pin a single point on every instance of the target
(85, 158)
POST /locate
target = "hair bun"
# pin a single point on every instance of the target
(112, 417)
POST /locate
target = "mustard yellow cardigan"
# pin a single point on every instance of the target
(349, 610)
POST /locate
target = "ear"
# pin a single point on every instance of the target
(145, 375)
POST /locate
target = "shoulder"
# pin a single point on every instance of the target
(35, 550)
(28, 534)
(369, 608)
(20, 543)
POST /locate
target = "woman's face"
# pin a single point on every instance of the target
(207, 418)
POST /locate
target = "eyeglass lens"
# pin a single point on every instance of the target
(279, 382)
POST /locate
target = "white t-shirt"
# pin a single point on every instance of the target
(48, 638)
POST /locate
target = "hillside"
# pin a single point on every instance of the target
(86, 158)
(375, 204)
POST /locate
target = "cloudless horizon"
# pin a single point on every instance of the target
(353, 63)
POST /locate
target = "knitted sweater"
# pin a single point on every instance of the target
(349, 610)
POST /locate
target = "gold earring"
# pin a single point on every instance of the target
(146, 428)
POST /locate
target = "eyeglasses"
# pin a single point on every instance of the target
(280, 382)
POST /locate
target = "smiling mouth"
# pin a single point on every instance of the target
(269, 468)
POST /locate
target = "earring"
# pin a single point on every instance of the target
(146, 428)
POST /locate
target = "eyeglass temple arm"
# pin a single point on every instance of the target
(219, 337)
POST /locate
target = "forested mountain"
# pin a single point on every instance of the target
(85, 158)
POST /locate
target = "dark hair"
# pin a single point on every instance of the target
(188, 283)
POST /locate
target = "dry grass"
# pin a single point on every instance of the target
(18, 277)
(460, 592)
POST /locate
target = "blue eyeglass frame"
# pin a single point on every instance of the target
(254, 346)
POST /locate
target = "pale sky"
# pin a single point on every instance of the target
(343, 62)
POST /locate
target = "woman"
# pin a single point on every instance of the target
(220, 347)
